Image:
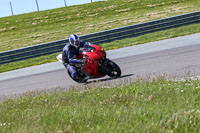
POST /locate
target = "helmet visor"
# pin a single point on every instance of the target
(76, 43)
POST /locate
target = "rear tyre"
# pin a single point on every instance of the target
(115, 70)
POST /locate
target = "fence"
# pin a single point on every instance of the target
(35, 5)
(101, 37)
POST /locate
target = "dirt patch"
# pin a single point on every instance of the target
(155, 15)
(180, 9)
(123, 10)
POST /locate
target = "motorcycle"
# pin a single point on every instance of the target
(96, 64)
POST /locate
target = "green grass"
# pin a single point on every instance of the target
(28, 63)
(45, 26)
(158, 106)
(181, 31)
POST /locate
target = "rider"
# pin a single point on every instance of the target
(69, 55)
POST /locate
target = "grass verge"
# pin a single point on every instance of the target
(28, 63)
(181, 31)
(158, 106)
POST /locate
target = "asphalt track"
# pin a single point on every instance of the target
(174, 57)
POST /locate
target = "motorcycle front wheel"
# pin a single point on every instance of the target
(115, 70)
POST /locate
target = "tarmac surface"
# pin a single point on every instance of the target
(175, 57)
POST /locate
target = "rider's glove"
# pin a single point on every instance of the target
(65, 64)
(84, 61)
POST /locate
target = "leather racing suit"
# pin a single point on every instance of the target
(69, 58)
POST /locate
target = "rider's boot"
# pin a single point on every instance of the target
(79, 79)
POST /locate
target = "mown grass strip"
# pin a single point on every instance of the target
(28, 63)
(158, 106)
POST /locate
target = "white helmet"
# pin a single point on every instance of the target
(74, 40)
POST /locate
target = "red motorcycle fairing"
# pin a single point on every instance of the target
(94, 54)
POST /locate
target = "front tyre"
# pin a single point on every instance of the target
(115, 70)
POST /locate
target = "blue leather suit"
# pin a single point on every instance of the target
(69, 58)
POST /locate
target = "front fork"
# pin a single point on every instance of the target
(103, 66)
